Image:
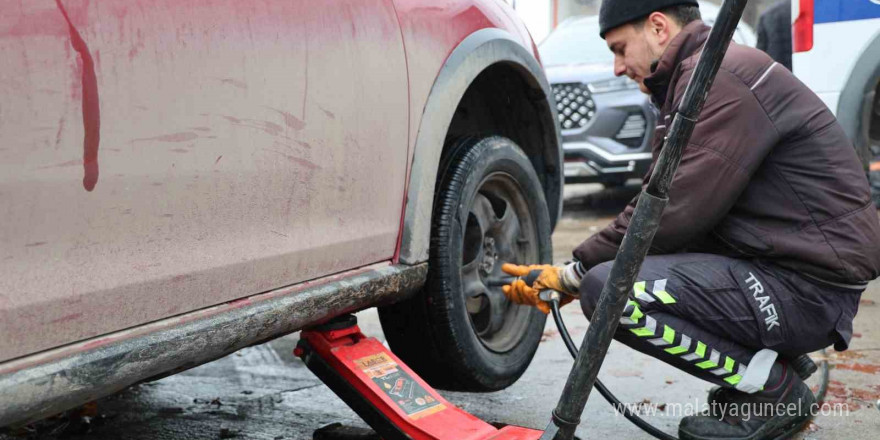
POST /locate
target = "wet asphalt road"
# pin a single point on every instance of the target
(264, 392)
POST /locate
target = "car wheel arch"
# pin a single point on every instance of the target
(486, 50)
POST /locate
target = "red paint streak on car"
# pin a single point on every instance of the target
(90, 106)
(66, 318)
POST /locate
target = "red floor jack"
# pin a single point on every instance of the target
(387, 394)
(398, 404)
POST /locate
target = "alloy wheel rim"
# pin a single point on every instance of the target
(499, 229)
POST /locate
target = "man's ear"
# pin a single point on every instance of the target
(659, 28)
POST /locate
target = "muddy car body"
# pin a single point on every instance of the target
(182, 179)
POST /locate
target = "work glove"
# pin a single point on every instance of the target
(555, 278)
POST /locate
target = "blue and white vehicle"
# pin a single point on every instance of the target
(836, 52)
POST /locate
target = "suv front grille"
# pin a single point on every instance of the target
(633, 130)
(574, 103)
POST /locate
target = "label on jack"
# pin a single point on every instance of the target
(399, 386)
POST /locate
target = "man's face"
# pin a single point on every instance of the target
(635, 48)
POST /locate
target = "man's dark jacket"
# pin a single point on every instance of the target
(774, 33)
(768, 173)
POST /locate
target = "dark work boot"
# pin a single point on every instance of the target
(719, 398)
(773, 413)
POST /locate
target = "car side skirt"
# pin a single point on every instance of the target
(47, 383)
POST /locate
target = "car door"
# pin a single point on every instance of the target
(162, 156)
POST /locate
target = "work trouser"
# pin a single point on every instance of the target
(726, 320)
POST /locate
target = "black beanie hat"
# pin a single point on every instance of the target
(614, 13)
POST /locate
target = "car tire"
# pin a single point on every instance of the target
(458, 333)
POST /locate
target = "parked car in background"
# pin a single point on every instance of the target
(183, 179)
(607, 123)
(836, 52)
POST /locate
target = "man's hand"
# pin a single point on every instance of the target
(551, 278)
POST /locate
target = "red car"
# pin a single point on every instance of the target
(182, 179)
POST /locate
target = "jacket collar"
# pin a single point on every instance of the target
(682, 47)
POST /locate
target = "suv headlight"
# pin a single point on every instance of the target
(612, 85)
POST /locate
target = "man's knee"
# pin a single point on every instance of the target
(591, 286)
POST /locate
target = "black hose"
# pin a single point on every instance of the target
(623, 409)
(823, 381)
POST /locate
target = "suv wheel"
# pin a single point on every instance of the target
(461, 332)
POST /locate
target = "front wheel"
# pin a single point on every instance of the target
(461, 332)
